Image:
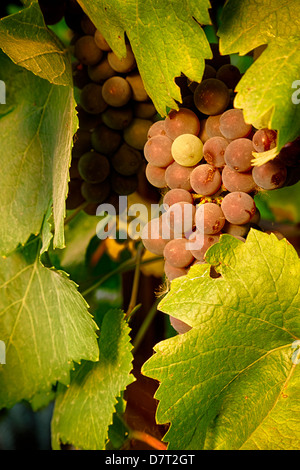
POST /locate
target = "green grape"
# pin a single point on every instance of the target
(123, 65)
(187, 150)
(81, 143)
(100, 72)
(116, 91)
(91, 99)
(127, 161)
(87, 51)
(95, 193)
(230, 75)
(136, 133)
(93, 167)
(211, 96)
(105, 140)
(75, 198)
(144, 109)
(117, 118)
(101, 41)
(138, 90)
(124, 185)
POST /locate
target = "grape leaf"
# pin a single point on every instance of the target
(230, 382)
(265, 91)
(25, 38)
(37, 126)
(45, 324)
(84, 411)
(164, 37)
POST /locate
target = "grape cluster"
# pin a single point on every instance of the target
(200, 156)
(114, 112)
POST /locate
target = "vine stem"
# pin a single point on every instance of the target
(150, 440)
(136, 280)
(75, 213)
(145, 325)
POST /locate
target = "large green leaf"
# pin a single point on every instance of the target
(265, 91)
(37, 125)
(84, 411)
(164, 36)
(45, 325)
(230, 382)
(25, 38)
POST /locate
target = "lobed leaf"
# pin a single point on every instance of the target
(225, 383)
(84, 411)
(164, 37)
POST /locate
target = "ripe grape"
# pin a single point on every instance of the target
(179, 325)
(229, 74)
(205, 179)
(80, 75)
(264, 140)
(212, 126)
(157, 128)
(116, 91)
(101, 41)
(270, 175)
(144, 109)
(178, 176)
(117, 118)
(100, 72)
(156, 175)
(91, 99)
(157, 151)
(176, 253)
(136, 133)
(93, 167)
(172, 272)
(138, 90)
(124, 185)
(153, 238)
(209, 218)
(238, 181)
(238, 207)
(105, 140)
(238, 154)
(87, 51)
(211, 96)
(199, 243)
(183, 121)
(95, 193)
(289, 155)
(187, 150)
(177, 195)
(233, 125)
(236, 230)
(127, 160)
(214, 150)
(180, 218)
(123, 65)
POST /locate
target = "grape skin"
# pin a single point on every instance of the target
(157, 151)
(264, 140)
(177, 195)
(105, 140)
(200, 243)
(233, 125)
(238, 154)
(212, 126)
(91, 99)
(238, 208)
(229, 74)
(176, 253)
(238, 181)
(180, 217)
(157, 128)
(136, 133)
(123, 65)
(179, 325)
(156, 175)
(95, 193)
(87, 51)
(116, 91)
(205, 179)
(214, 151)
(127, 160)
(172, 273)
(93, 167)
(211, 96)
(270, 175)
(178, 176)
(209, 218)
(152, 236)
(187, 150)
(181, 122)
(124, 185)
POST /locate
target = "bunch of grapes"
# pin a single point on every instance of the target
(114, 112)
(201, 158)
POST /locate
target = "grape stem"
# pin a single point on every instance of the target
(75, 212)
(136, 279)
(145, 325)
(150, 440)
